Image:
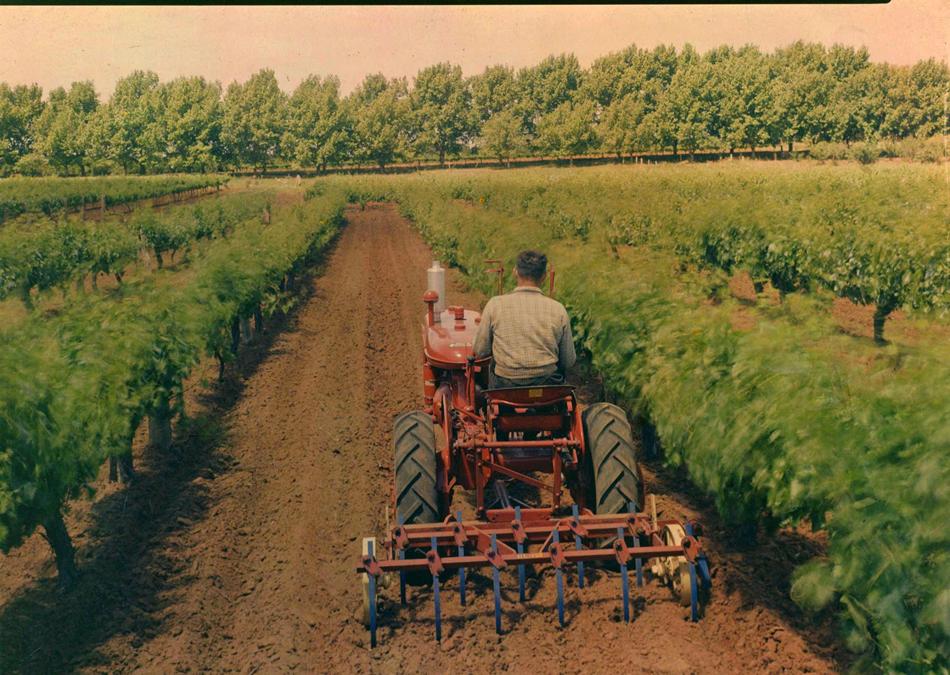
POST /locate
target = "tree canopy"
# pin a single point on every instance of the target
(634, 100)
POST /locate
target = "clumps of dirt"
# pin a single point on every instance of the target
(858, 320)
(742, 320)
(743, 288)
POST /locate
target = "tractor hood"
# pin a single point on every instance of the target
(448, 342)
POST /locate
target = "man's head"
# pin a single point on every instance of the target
(531, 267)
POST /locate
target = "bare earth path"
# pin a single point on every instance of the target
(252, 572)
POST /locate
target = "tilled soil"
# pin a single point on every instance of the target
(243, 558)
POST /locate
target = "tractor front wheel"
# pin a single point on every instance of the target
(613, 461)
(417, 495)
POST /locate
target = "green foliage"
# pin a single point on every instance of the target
(876, 236)
(317, 129)
(190, 123)
(635, 100)
(52, 195)
(502, 135)
(19, 108)
(74, 387)
(41, 256)
(442, 110)
(254, 120)
(567, 130)
(774, 422)
(381, 114)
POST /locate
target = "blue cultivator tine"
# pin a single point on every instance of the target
(693, 594)
(372, 599)
(496, 582)
(624, 583)
(704, 576)
(402, 573)
(693, 586)
(637, 563)
(435, 595)
(520, 567)
(458, 518)
(578, 545)
(702, 563)
(555, 538)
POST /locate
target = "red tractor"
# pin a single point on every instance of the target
(486, 441)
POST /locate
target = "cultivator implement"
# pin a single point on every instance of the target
(520, 537)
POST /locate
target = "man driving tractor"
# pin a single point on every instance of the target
(527, 333)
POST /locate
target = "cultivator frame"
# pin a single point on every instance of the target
(506, 537)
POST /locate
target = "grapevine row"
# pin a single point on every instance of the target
(75, 387)
(51, 255)
(875, 236)
(52, 195)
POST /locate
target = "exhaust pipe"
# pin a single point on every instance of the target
(436, 282)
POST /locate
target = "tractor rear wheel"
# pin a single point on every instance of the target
(417, 495)
(610, 447)
(417, 498)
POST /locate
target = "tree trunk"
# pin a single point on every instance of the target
(235, 335)
(245, 330)
(118, 278)
(58, 537)
(880, 316)
(258, 320)
(790, 146)
(26, 297)
(126, 467)
(160, 426)
(158, 258)
(441, 157)
(95, 281)
(220, 358)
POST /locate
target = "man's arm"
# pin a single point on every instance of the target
(483, 334)
(565, 353)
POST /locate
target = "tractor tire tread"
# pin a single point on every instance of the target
(417, 497)
(613, 458)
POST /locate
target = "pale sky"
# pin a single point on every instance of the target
(54, 46)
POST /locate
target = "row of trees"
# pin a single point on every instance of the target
(629, 101)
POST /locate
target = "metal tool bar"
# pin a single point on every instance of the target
(537, 558)
(596, 527)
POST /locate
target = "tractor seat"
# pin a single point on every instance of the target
(531, 409)
(529, 396)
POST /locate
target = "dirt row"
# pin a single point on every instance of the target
(236, 552)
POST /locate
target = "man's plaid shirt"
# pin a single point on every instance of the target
(527, 333)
